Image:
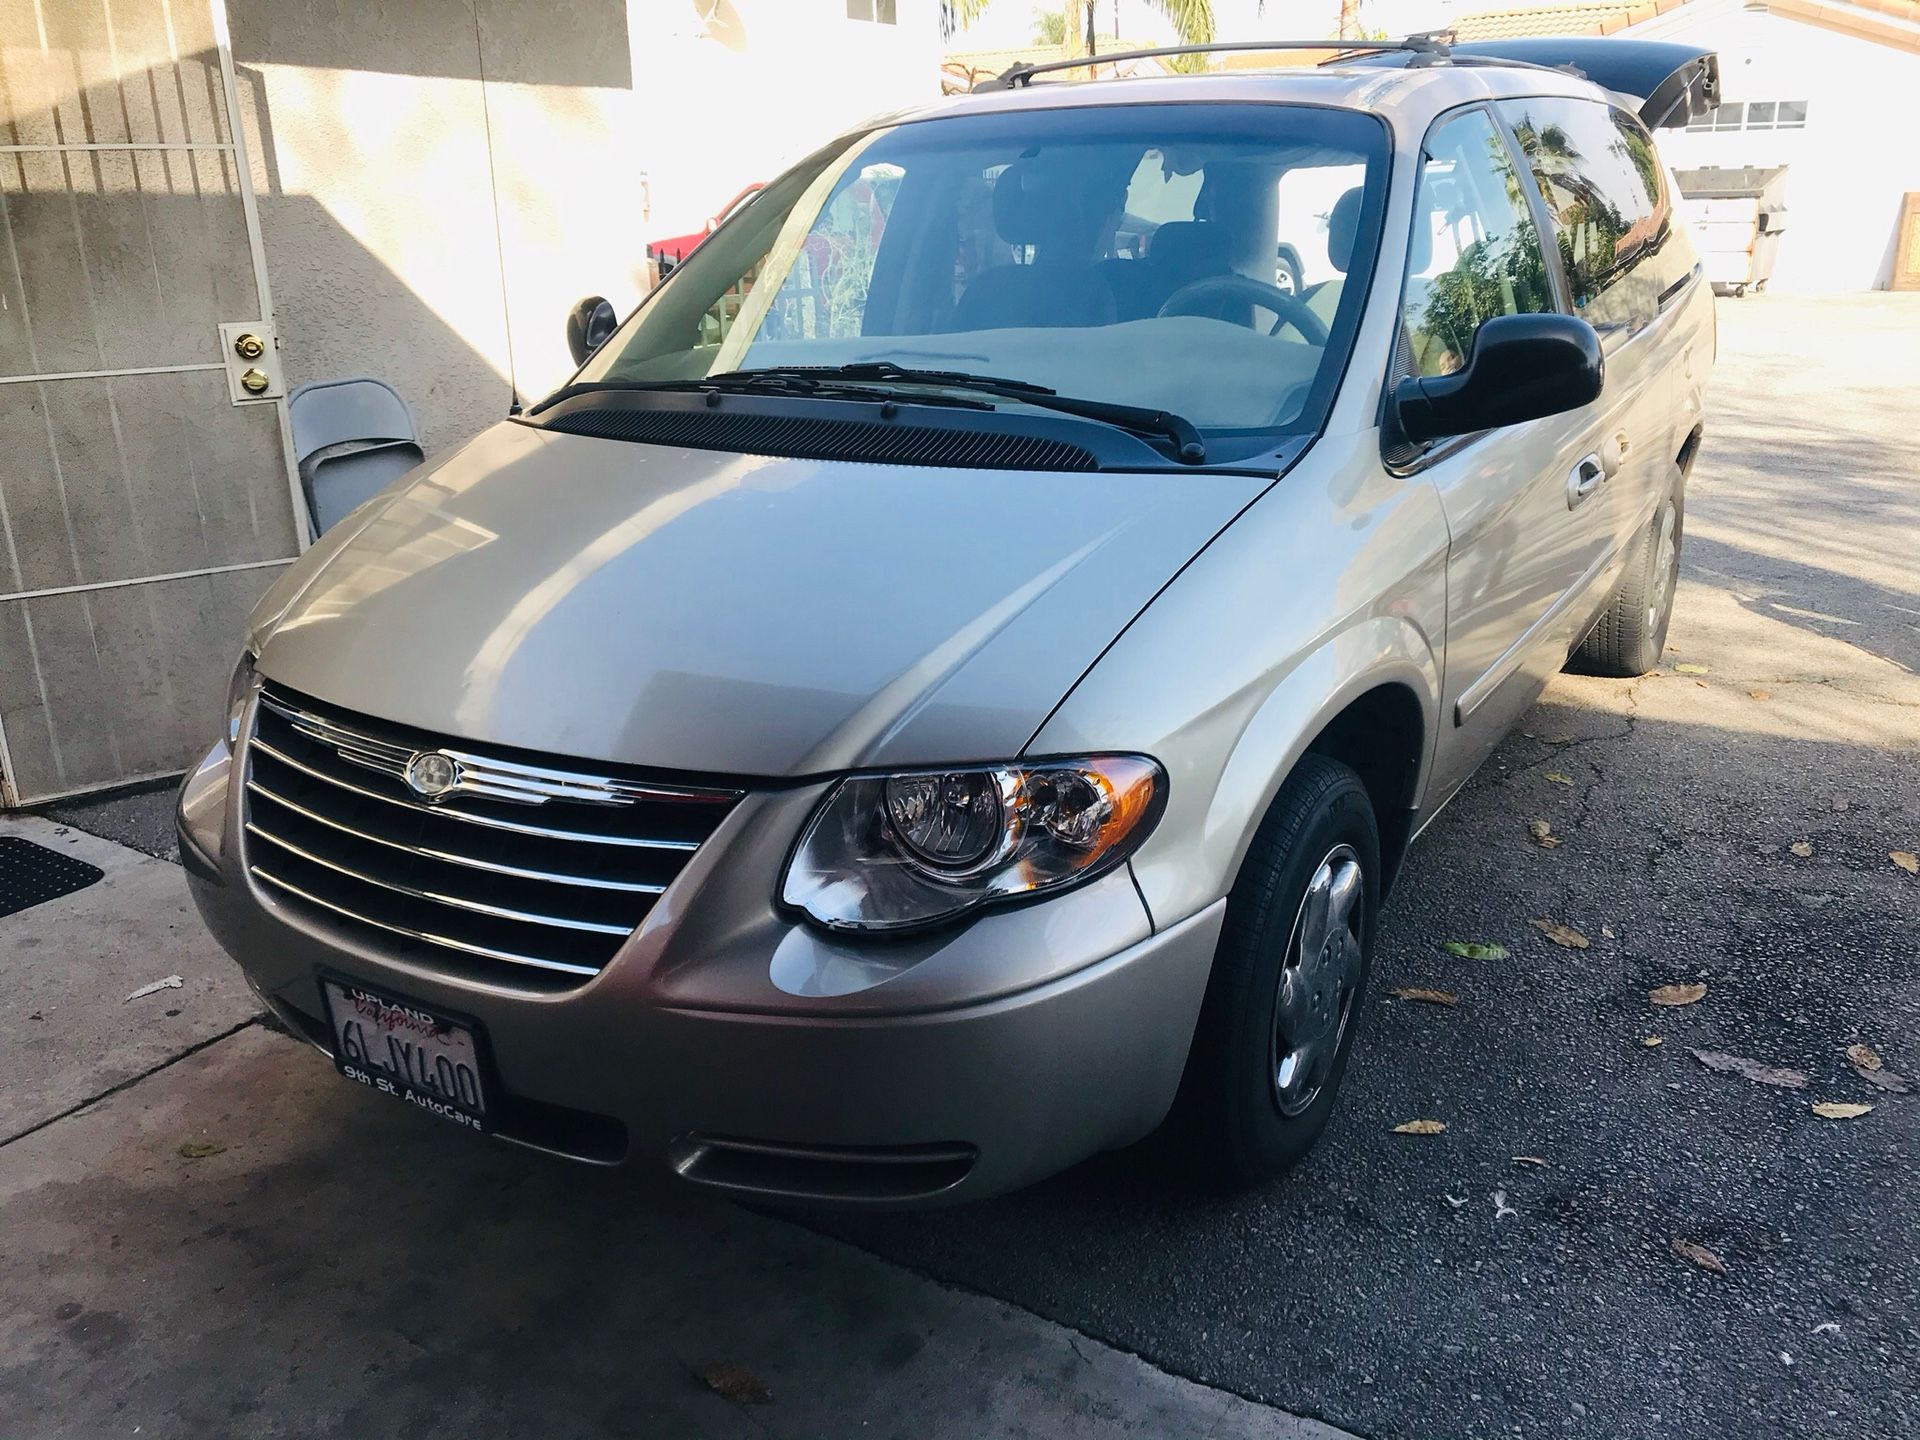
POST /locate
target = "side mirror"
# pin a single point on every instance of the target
(590, 324)
(1521, 368)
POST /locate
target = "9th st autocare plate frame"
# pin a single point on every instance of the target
(434, 1059)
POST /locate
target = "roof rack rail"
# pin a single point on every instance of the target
(1430, 43)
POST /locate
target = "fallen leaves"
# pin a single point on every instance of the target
(1542, 834)
(736, 1383)
(1687, 667)
(1802, 848)
(1425, 996)
(1650, 1042)
(1689, 994)
(1751, 1069)
(1759, 694)
(1420, 1127)
(1868, 1065)
(1906, 860)
(1530, 1160)
(1474, 950)
(200, 1149)
(171, 982)
(1500, 1207)
(1840, 1109)
(1557, 778)
(1565, 936)
(1885, 1080)
(1694, 1253)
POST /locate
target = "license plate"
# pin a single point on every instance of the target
(406, 1050)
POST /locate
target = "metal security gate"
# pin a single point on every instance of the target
(146, 497)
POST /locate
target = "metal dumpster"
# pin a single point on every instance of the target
(1736, 217)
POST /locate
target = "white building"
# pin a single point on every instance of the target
(1823, 87)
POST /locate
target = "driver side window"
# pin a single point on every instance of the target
(1475, 251)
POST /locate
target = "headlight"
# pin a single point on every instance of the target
(892, 852)
(239, 691)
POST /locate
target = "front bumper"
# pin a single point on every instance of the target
(758, 1055)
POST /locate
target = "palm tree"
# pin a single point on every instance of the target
(958, 14)
(1050, 27)
(1192, 20)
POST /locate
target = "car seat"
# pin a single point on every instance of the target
(1343, 228)
(1044, 205)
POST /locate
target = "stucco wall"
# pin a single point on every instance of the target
(1852, 163)
(439, 180)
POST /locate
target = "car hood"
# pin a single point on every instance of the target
(728, 614)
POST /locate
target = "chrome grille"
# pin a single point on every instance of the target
(523, 871)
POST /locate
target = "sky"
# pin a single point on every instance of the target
(1010, 22)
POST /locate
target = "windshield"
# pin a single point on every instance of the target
(1187, 258)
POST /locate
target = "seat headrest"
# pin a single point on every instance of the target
(1046, 202)
(1343, 228)
(1191, 248)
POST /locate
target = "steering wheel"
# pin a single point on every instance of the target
(1201, 297)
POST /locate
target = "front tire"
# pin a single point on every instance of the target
(1632, 630)
(1284, 998)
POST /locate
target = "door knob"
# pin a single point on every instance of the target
(254, 382)
(249, 346)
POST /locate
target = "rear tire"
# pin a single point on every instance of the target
(1283, 1002)
(1632, 630)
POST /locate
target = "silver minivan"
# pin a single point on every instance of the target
(946, 687)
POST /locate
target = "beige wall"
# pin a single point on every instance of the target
(441, 180)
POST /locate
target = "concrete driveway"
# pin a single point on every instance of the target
(342, 1266)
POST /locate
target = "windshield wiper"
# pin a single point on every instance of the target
(857, 381)
(887, 370)
(1187, 444)
(765, 382)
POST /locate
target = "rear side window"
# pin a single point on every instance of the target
(1474, 253)
(1602, 182)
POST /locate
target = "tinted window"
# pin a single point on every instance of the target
(1475, 251)
(1118, 252)
(1601, 179)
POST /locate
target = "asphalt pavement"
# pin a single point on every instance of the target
(238, 1242)
(1422, 1286)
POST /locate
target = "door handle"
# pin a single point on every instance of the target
(1584, 480)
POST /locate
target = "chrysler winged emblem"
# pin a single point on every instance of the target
(433, 775)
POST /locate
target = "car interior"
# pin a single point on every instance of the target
(1180, 261)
